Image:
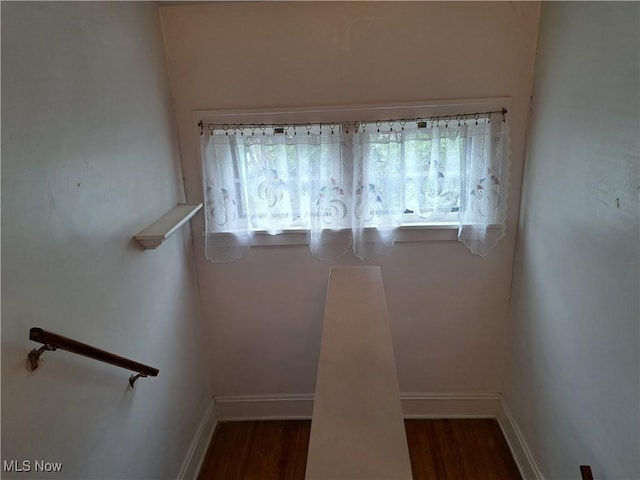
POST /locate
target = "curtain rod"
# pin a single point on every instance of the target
(283, 127)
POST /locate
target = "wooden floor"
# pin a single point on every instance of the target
(470, 449)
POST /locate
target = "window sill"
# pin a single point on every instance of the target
(432, 232)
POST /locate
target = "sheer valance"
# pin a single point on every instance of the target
(352, 186)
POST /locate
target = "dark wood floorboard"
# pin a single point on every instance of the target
(469, 449)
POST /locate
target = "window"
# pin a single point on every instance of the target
(352, 183)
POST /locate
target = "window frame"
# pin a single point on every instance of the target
(413, 231)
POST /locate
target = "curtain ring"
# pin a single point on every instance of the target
(332, 126)
(364, 126)
(263, 127)
(346, 126)
(308, 128)
(403, 122)
(252, 127)
(225, 127)
(241, 128)
(378, 123)
(211, 128)
(391, 123)
(476, 116)
(447, 119)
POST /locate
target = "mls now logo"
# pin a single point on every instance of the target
(27, 466)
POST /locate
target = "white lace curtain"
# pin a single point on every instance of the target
(352, 190)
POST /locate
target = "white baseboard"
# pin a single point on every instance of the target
(449, 405)
(199, 446)
(519, 448)
(414, 405)
(264, 407)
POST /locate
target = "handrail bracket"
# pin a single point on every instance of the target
(133, 378)
(33, 359)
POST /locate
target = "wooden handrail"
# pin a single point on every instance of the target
(53, 341)
(585, 471)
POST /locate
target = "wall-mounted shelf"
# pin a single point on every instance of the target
(158, 232)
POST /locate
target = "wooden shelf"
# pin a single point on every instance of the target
(156, 233)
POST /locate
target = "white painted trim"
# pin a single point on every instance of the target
(340, 113)
(424, 232)
(449, 405)
(519, 448)
(264, 407)
(405, 233)
(414, 405)
(200, 444)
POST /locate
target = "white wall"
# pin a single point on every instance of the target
(89, 158)
(573, 385)
(448, 308)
